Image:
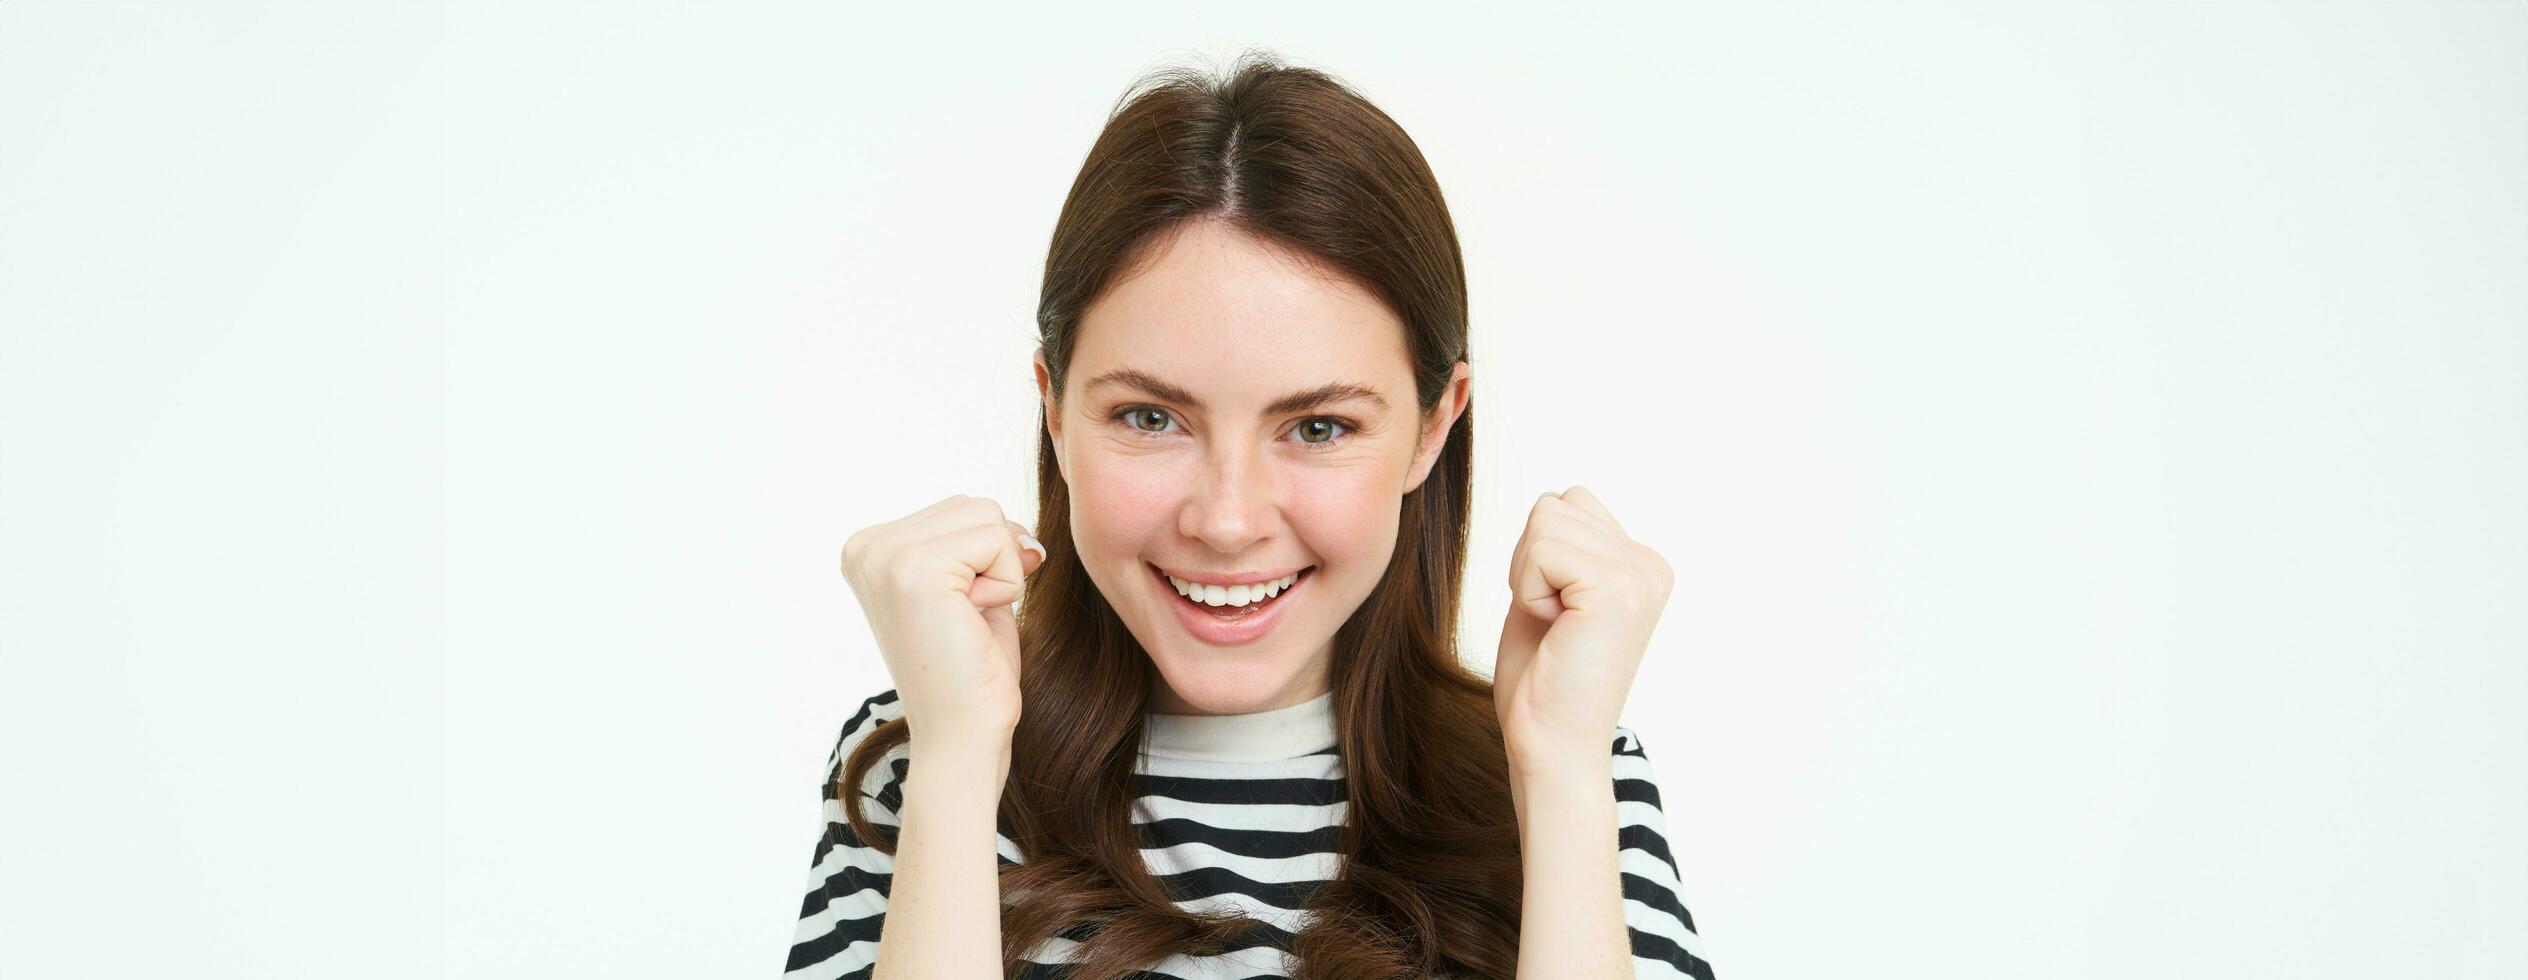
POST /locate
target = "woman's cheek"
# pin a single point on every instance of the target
(1117, 506)
(1351, 520)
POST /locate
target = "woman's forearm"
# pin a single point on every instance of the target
(1571, 908)
(944, 905)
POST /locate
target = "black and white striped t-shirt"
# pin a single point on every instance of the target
(1234, 811)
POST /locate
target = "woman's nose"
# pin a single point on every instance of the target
(1232, 504)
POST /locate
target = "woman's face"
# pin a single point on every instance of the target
(1233, 415)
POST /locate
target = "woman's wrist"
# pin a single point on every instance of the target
(1535, 758)
(1561, 775)
(959, 761)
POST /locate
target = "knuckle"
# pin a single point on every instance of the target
(856, 549)
(1657, 584)
(980, 509)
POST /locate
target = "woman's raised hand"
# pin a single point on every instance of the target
(937, 587)
(1583, 600)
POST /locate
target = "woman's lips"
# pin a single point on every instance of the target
(1225, 631)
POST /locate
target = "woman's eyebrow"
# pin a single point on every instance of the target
(1297, 401)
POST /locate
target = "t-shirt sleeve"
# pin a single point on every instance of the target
(848, 880)
(1664, 942)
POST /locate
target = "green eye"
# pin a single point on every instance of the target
(1317, 433)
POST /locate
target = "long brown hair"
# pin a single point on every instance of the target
(1430, 881)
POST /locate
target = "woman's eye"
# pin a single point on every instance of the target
(1135, 416)
(1311, 428)
(1317, 433)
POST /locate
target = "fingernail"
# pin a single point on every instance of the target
(1028, 541)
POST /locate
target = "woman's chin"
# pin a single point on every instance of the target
(1222, 689)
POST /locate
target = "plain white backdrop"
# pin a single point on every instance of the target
(2092, 440)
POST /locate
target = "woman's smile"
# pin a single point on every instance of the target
(1231, 615)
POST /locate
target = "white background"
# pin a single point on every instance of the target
(2092, 439)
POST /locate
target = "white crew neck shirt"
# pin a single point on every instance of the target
(1261, 736)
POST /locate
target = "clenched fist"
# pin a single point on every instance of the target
(1583, 600)
(937, 586)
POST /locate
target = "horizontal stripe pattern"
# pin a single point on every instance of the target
(1251, 838)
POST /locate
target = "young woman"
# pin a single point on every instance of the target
(1225, 731)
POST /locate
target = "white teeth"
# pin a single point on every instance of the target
(1233, 595)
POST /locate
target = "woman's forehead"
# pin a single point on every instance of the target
(1291, 371)
(1243, 325)
(1211, 278)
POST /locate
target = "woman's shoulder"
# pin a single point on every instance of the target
(874, 710)
(1627, 743)
(1637, 794)
(883, 780)
(1655, 910)
(1631, 762)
